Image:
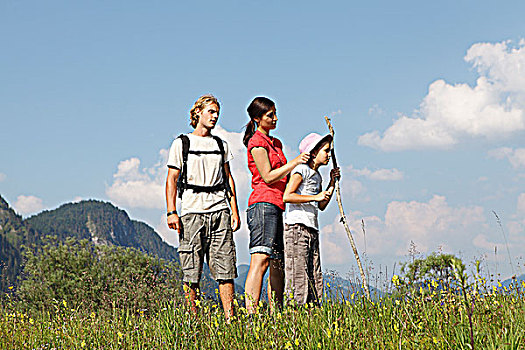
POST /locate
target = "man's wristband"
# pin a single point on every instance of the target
(171, 213)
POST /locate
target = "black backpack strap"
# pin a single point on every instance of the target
(183, 177)
(225, 181)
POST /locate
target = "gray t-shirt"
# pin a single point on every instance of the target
(305, 213)
(203, 170)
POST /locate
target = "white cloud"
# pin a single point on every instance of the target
(516, 157)
(520, 208)
(27, 205)
(352, 187)
(134, 186)
(375, 110)
(481, 241)
(429, 225)
(2, 177)
(494, 107)
(379, 174)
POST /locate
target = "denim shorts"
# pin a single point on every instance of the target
(265, 222)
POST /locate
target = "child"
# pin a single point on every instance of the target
(303, 275)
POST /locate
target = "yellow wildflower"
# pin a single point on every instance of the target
(395, 280)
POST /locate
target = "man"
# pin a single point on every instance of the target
(199, 173)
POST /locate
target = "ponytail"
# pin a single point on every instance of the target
(257, 108)
(251, 127)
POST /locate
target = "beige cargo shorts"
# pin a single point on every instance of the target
(302, 264)
(207, 235)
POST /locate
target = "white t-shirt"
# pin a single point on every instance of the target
(305, 213)
(203, 170)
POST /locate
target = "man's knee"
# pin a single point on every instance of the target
(192, 286)
(225, 282)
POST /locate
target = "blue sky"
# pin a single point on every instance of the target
(427, 99)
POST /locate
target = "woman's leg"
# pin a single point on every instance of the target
(258, 265)
(276, 285)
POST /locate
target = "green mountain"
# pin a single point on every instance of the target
(14, 232)
(101, 223)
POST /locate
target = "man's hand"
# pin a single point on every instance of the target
(174, 222)
(235, 222)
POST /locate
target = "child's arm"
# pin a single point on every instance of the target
(334, 175)
(290, 195)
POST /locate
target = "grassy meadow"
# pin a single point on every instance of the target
(433, 317)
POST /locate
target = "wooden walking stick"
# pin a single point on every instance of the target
(343, 216)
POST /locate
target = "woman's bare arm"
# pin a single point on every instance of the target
(269, 175)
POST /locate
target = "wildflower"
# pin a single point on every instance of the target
(395, 280)
(120, 335)
(319, 345)
(288, 345)
(328, 284)
(82, 344)
(10, 287)
(64, 303)
(296, 342)
(436, 341)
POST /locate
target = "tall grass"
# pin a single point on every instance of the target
(431, 317)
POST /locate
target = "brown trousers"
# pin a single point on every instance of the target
(302, 264)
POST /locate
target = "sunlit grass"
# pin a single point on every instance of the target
(425, 318)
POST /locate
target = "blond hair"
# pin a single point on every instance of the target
(200, 104)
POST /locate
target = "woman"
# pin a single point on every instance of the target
(269, 169)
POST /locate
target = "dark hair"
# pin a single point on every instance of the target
(259, 107)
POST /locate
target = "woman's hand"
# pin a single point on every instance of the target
(302, 158)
